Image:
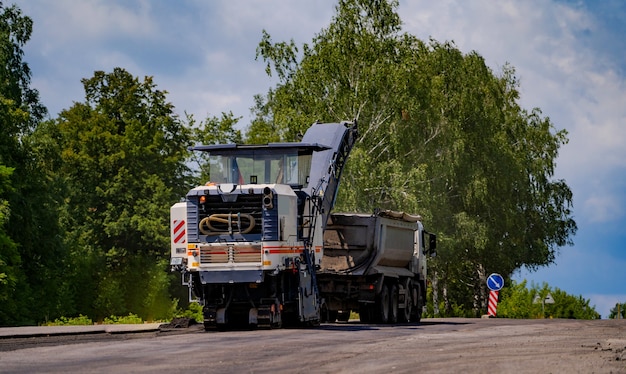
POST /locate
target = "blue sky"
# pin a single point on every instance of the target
(570, 56)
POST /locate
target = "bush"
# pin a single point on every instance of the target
(194, 311)
(130, 319)
(71, 321)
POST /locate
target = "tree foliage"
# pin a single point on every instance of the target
(121, 154)
(9, 255)
(441, 135)
(31, 251)
(618, 311)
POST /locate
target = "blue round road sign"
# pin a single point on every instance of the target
(495, 282)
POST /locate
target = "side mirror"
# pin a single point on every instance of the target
(431, 247)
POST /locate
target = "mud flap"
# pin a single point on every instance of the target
(309, 301)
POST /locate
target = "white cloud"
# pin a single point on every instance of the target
(605, 208)
(286, 20)
(203, 99)
(226, 75)
(599, 115)
(93, 21)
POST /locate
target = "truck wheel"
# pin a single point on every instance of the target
(365, 313)
(382, 305)
(405, 315)
(393, 304)
(418, 303)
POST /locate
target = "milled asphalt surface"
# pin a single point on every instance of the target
(36, 331)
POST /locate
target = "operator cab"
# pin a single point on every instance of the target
(274, 163)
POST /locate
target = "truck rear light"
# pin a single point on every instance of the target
(268, 198)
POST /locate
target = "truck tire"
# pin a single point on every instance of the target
(418, 303)
(405, 314)
(382, 305)
(365, 313)
(393, 303)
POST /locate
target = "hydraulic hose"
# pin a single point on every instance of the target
(207, 228)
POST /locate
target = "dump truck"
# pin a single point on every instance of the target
(258, 244)
(375, 265)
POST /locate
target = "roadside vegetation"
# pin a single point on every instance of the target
(84, 320)
(521, 300)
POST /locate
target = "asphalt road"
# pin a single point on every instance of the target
(436, 345)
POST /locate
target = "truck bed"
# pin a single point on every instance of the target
(361, 244)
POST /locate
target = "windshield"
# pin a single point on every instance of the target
(261, 167)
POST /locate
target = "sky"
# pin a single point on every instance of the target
(569, 55)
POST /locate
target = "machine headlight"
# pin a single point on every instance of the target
(176, 261)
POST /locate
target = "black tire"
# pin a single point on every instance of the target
(393, 303)
(343, 316)
(382, 305)
(405, 313)
(365, 313)
(332, 316)
(324, 314)
(418, 303)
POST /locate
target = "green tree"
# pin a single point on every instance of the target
(9, 256)
(122, 155)
(32, 250)
(441, 135)
(618, 311)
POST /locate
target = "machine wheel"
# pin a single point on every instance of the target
(365, 313)
(324, 313)
(332, 316)
(393, 304)
(210, 322)
(405, 315)
(382, 305)
(343, 316)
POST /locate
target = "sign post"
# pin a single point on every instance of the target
(495, 282)
(546, 300)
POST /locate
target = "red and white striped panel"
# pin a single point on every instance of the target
(493, 303)
(178, 231)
